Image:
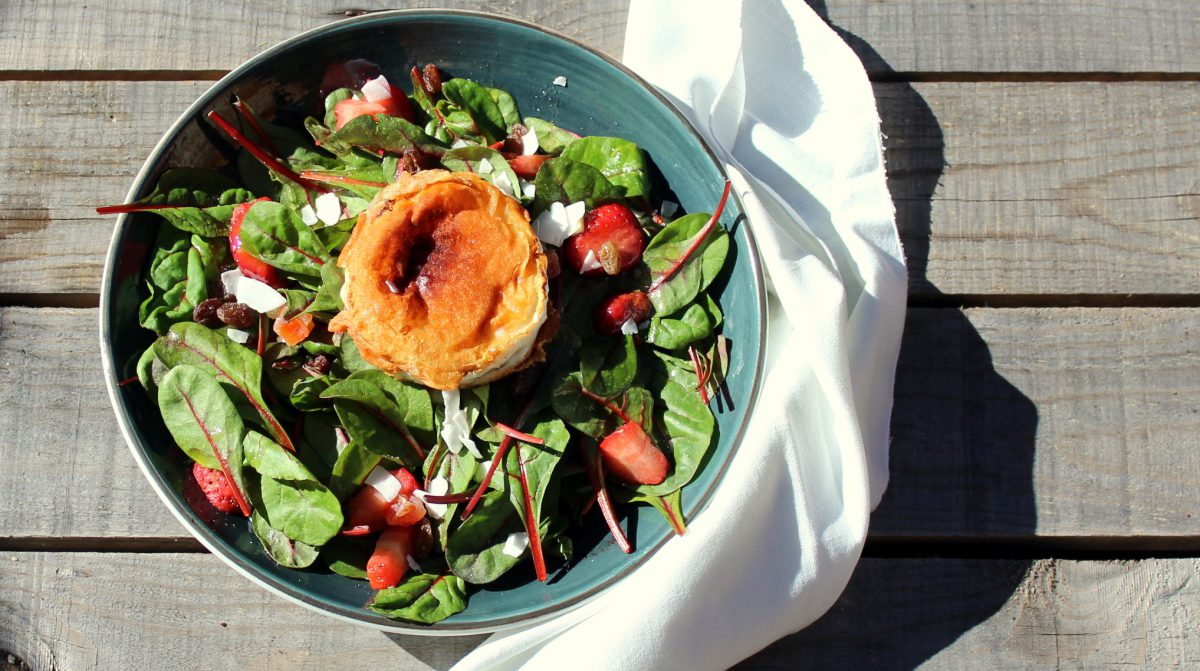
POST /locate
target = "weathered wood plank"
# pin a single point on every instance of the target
(909, 36)
(1000, 188)
(77, 611)
(1074, 424)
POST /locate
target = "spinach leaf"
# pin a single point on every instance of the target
(581, 412)
(477, 102)
(306, 393)
(475, 550)
(696, 323)
(507, 106)
(347, 556)
(201, 201)
(424, 598)
(387, 133)
(285, 551)
(639, 406)
(235, 367)
(551, 138)
(608, 366)
(690, 430)
(294, 502)
(471, 159)
(670, 506)
(329, 294)
(621, 161)
(336, 96)
(350, 358)
(697, 271)
(335, 237)
(378, 411)
(566, 181)
(274, 233)
(539, 463)
(351, 468)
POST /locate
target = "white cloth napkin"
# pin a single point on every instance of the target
(788, 108)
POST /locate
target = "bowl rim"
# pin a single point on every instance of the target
(258, 576)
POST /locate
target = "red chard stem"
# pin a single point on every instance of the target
(535, 541)
(696, 243)
(595, 471)
(263, 157)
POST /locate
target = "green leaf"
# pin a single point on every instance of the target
(566, 181)
(335, 237)
(470, 159)
(551, 138)
(690, 430)
(351, 468)
(329, 294)
(696, 323)
(608, 366)
(336, 96)
(670, 506)
(540, 462)
(347, 556)
(581, 412)
(697, 271)
(306, 393)
(477, 102)
(475, 550)
(285, 551)
(382, 414)
(204, 422)
(507, 106)
(351, 358)
(237, 368)
(203, 200)
(274, 233)
(294, 502)
(387, 133)
(621, 161)
(424, 598)
(180, 271)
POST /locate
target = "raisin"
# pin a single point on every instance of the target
(422, 539)
(237, 315)
(206, 313)
(318, 364)
(553, 267)
(431, 81)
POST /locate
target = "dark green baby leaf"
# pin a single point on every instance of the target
(477, 102)
(689, 428)
(621, 161)
(329, 294)
(285, 551)
(347, 556)
(475, 550)
(551, 138)
(201, 201)
(696, 323)
(472, 159)
(566, 181)
(608, 366)
(294, 502)
(581, 412)
(383, 413)
(352, 467)
(425, 598)
(385, 133)
(507, 106)
(274, 233)
(697, 271)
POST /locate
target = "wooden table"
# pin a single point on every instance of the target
(1045, 497)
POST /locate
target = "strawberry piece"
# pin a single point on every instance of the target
(397, 106)
(216, 487)
(526, 167)
(405, 511)
(389, 562)
(367, 511)
(616, 310)
(408, 482)
(251, 266)
(612, 234)
(631, 456)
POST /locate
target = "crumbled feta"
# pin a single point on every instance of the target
(630, 327)
(529, 143)
(557, 223)
(238, 336)
(456, 430)
(459, 143)
(505, 184)
(329, 208)
(340, 440)
(485, 167)
(515, 544)
(377, 89)
(229, 280)
(590, 262)
(527, 188)
(668, 209)
(308, 215)
(560, 81)
(437, 487)
(261, 297)
(384, 482)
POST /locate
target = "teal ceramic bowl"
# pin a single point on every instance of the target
(601, 98)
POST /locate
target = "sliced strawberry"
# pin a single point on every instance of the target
(367, 511)
(612, 235)
(216, 487)
(397, 106)
(631, 456)
(389, 562)
(617, 310)
(405, 511)
(408, 482)
(526, 167)
(251, 266)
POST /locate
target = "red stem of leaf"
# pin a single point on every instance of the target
(412, 442)
(262, 335)
(237, 493)
(695, 244)
(497, 459)
(447, 499)
(127, 381)
(604, 402)
(435, 463)
(595, 471)
(328, 178)
(535, 541)
(244, 110)
(701, 373)
(676, 524)
(135, 207)
(263, 157)
(519, 435)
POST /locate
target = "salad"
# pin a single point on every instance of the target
(427, 492)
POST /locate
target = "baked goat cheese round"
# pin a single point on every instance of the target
(445, 282)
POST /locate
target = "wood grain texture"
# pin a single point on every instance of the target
(85, 611)
(1076, 424)
(217, 36)
(907, 36)
(1000, 188)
